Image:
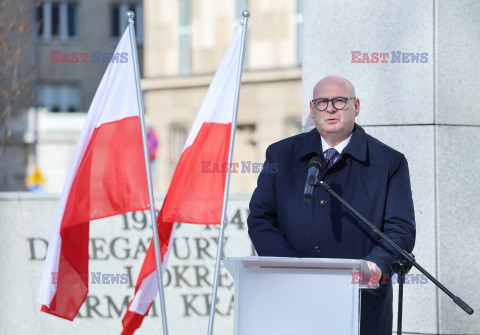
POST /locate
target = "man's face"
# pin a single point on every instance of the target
(333, 123)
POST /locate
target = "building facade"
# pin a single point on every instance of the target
(67, 48)
(75, 43)
(180, 45)
(185, 42)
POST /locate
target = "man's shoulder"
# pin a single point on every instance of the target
(378, 146)
(290, 141)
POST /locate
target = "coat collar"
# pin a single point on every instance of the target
(311, 144)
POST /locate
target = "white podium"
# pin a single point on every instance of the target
(275, 295)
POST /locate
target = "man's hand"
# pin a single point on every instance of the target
(376, 274)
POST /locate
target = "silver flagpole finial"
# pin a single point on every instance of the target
(246, 13)
(130, 15)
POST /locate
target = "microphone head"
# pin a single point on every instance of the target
(315, 162)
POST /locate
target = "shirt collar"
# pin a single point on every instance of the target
(311, 144)
(339, 147)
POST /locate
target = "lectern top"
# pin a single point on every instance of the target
(291, 262)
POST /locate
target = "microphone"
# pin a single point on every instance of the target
(314, 168)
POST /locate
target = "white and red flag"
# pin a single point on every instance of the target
(106, 177)
(194, 195)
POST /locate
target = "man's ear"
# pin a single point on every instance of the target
(312, 110)
(357, 106)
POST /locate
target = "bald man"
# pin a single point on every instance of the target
(368, 174)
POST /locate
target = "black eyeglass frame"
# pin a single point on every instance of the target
(314, 101)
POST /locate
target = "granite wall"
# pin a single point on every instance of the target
(422, 99)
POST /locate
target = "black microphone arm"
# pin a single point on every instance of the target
(314, 168)
(408, 257)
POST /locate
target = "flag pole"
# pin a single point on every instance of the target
(158, 259)
(223, 220)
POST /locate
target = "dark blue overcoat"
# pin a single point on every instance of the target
(371, 176)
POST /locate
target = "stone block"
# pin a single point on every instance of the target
(457, 84)
(458, 212)
(417, 144)
(390, 93)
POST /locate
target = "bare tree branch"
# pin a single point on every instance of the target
(17, 30)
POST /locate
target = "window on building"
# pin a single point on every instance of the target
(299, 31)
(115, 20)
(58, 21)
(55, 19)
(184, 33)
(118, 19)
(72, 19)
(40, 20)
(247, 133)
(177, 133)
(293, 125)
(60, 97)
(240, 7)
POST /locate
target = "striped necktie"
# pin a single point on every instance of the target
(330, 156)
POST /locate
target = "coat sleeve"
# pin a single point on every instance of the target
(398, 220)
(262, 221)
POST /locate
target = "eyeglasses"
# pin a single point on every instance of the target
(338, 103)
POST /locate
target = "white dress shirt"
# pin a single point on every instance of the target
(339, 147)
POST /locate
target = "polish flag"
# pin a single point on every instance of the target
(194, 195)
(106, 177)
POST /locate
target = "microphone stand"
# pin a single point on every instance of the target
(404, 261)
(401, 266)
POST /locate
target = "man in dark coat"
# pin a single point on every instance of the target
(368, 174)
